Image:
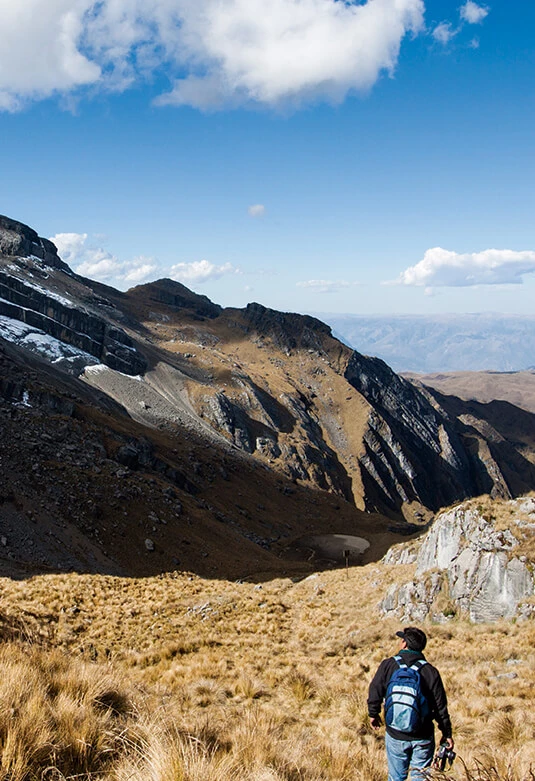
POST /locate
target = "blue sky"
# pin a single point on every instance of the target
(312, 155)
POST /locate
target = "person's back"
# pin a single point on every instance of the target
(410, 740)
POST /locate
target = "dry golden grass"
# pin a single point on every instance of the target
(176, 678)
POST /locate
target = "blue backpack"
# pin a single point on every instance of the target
(406, 707)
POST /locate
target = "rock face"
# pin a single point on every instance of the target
(256, 423)
(412, 449)
(18, 240)
(26, 297)
(286, 330)
(466, 557)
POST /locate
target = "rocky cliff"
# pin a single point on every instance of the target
(409, 440)
(39, 290)
(476, 559)
(18, 240)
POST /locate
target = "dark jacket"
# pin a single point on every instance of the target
(432, 688)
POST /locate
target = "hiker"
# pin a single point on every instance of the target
(413, 696)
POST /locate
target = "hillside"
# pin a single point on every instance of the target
(178, 676)
(179, 484)
(154, 431)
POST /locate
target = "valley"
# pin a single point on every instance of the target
(180, 483)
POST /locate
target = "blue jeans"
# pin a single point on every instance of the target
(405, 755)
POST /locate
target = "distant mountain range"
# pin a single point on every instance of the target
(445, 342)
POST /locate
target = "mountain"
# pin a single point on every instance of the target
(442, 343)
(153, 430)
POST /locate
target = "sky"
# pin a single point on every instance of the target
(343, 156)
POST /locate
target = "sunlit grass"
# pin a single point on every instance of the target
(176, 678)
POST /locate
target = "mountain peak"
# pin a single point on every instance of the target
(18, 239)
(174, 294)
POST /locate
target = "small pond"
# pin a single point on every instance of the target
(332, 546)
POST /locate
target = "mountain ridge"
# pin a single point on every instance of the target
(302, 418)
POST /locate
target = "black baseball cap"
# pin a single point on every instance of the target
(416, 639)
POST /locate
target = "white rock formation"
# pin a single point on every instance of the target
(467, 557)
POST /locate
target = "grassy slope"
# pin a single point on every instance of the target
(178, 677)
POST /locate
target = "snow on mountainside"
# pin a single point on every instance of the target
(41, 343)
(439, 343)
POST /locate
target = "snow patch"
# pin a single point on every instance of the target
(49, 293)
(98, 368)
(39, 342)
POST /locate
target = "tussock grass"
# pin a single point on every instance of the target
(57, 713)
(176, 678)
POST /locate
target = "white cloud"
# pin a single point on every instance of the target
(473, 13)
(325, 285)
(214, 52)
(70, 245)
(444, 32)
(442, 268)
(97, 263)
(200, 271)
(257, 210)
(40, 51)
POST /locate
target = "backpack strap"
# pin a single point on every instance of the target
(400, 663)
(418, 664)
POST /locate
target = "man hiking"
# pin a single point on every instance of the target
(413, 696)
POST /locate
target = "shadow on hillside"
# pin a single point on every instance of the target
(508, 430)
(365, 538)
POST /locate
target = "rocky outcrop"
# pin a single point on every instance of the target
(69, 323)
(258, 423)
(287, 331)
(468, 563)
(18, 240)
(415, 450)
(179, 297)
(412, 450)
(28, 263)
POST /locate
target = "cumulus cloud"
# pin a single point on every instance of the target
(41, 49)
(214, 52)
(97, 263)
(444, 32)
(443, 268)
(324, 285)
(70, 246)
(200, 271)
(473, 13)
(256, 210)
(469, 12)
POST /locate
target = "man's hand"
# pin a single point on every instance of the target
(448, 742)
(376, 722)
